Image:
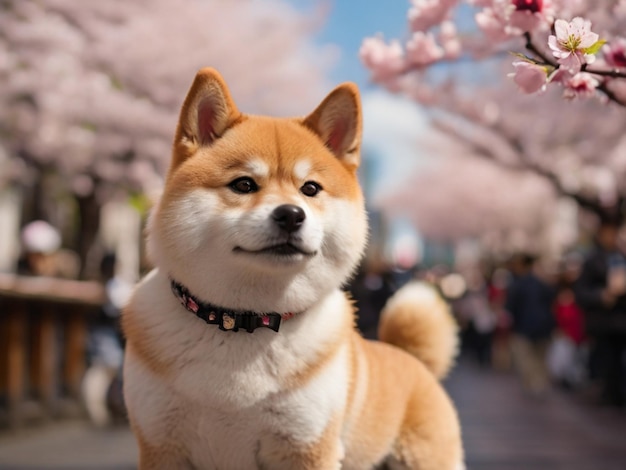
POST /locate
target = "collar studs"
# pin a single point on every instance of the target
(227, 320)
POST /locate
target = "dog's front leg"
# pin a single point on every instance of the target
(162, 461)
(164, 457)
(282, 452)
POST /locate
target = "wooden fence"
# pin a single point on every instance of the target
(43, 337)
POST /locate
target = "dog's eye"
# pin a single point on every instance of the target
(310, 188)
(244, 185)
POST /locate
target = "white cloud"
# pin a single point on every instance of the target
(393, 128)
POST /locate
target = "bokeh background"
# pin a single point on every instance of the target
(468, 183)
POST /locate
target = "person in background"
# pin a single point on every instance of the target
(501, 350)
(370, 289)
(601, 293)
(480, 319)
(102, 386)
(42, 254)
(529, 301)
(568, 349)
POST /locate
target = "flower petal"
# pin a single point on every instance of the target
(561, 28)
(571, 62)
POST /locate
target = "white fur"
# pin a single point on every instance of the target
(301, 169)
(95, 387)
(416, 293)
(258, 168)
(230, 386)
(194, 237)
(361, 378)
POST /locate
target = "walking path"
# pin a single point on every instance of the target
(69, 446)
(503, 430)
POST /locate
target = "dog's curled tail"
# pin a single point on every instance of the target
(417, 319)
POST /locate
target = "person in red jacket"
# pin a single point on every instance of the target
(569, 316)
(567, 353)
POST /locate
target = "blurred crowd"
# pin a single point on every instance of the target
(560, 324)
(554, 324)
(42, 254)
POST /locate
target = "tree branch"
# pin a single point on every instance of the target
(486, 152)
(530, 46)
(605, 73)
(610, 95)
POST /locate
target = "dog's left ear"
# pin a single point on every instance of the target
(337, 120)
(208, 111)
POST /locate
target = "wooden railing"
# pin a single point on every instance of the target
(43, 337)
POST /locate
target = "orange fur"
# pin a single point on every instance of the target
(419, 321)
(315, 395)
(284, 454)
(145, 346)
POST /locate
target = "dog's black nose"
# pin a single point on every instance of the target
(289, 217)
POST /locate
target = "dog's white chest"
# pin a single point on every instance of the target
(220, 430)
(225, 439)
(229, 394)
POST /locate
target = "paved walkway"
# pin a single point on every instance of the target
(503, 430)
(69, 446)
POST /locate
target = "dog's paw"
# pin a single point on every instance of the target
(341, 455)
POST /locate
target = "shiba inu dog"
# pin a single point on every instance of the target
(241, 347)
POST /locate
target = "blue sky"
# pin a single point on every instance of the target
(392, 125)
(349, 22)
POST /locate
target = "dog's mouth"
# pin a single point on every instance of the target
(281, 249)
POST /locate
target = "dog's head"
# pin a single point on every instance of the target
(257, 212)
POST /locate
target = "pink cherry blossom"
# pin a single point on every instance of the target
(384, 60)
(501, 19)
(581, 85)
(481, 3)
(529, 77)
(559, 76)
(424, 14)
(570, 41)
(494, 21)
(449, 40)
(531, 14)
(615, 53)
(533, 6)
(620, 9)
(422, 49)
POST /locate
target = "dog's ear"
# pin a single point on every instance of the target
(337, 120)
(208, 111)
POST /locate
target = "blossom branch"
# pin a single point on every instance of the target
(563, 59)
(557, 64)
(532, 48)
(606, 73)
(610, 95)
(488, 152)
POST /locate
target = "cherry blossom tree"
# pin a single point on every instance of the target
(476, 77)
(552, 39)
(463, 197)
(90, 91)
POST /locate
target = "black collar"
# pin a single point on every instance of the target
(228, 320)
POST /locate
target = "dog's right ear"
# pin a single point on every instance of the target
(208, 111)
